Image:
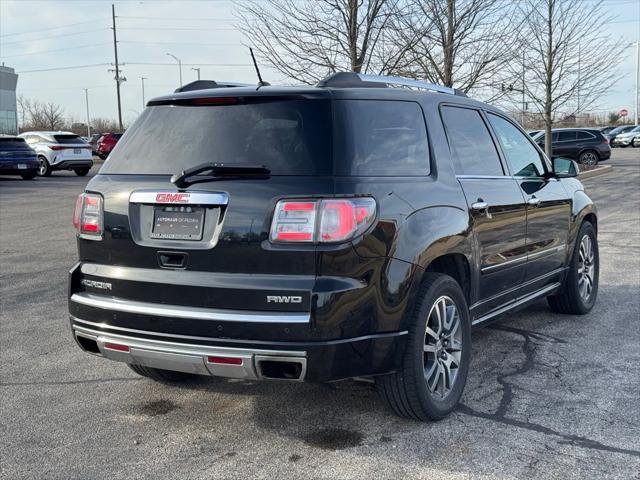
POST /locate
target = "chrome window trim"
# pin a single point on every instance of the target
(195, 198)
(192, 313)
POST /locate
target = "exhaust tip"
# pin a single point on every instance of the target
(88, 344)
(289, 369)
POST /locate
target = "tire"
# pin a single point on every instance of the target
(101, 156)
(45, 169)
(574, 296)
(81, 172)
(164, 376)
(418, 389)
(28, 176)
(589, 157)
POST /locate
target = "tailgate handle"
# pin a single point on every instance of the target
(172, 259)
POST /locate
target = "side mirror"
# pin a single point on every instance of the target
(564, 167)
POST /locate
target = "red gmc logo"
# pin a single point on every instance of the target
(172, 197)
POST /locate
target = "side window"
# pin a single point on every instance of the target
(567, 136)
(522, 156)
(585, 136)
(472, 148)
(380, 138)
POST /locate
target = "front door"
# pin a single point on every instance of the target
(548, 206)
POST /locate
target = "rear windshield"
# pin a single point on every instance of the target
(290, 137)
(12, 142)
(68, 139)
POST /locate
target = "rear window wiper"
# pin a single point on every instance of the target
(218, 171)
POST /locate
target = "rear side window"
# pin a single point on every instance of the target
(380, 138)
(566, 136)
(11, 142)
(64, 139)
(472, 149)
(585, 136)
(289, 137)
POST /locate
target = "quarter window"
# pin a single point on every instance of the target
(566, 136)
(585, 136)
(472, 149)
(522, 156)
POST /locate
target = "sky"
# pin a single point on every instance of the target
(41, 38)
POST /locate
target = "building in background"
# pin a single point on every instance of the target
(8, 104)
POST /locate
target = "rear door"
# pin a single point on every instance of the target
(565, 145)
(496, 205)
(548, 204)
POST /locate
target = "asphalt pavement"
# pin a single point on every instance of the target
(548, 396)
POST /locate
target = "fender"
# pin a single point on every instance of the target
(581, 207)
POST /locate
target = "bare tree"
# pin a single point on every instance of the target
(53, 116)
(567, 56)
(463, 43)
(308, 39)
(614, 118)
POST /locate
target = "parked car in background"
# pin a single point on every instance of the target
(636, 141)
(587, 146)
(273, 261)
(533, 133)
(617, 131)
(93, 141)
(106, 144)
(625, 139)
(60, 151)
(17, 157)
(605, 130)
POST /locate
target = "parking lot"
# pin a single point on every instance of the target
(548, 396)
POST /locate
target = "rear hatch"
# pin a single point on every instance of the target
(206, 245)
(13, 149)
(70, 147)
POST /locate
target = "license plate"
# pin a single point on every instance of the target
(22, 166)
(77, 150)
(177, 223)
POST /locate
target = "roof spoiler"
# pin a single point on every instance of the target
(208, 84)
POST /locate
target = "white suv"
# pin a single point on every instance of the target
(60, 151)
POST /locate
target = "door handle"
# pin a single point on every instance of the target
(533, 201)
(482, 207)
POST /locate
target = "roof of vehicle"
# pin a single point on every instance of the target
(369, 90)
(47, 133)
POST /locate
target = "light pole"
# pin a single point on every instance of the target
(197, 69)
(637, 79)
(86, 98)
(179, 65)
(143, 102)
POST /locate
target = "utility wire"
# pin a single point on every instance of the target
(52, 28)
(66, 68)
(56, 50)
(56, 36)
(177, 28)
(183, 43)
(185, 19)
(191, 64)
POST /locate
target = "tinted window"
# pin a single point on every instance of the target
(290, 137)
(116, 135)
(472, 149)
(585, 136)
(380, 138)
(64, 139)
(12, 142)
(566, 136)
(523, 158)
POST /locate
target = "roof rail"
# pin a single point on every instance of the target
(362, 80)
(207, 84)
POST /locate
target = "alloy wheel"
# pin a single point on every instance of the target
(42, 169)
(586, 268)
(589, 158)
(442, 347)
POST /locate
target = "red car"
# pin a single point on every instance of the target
(106, 144)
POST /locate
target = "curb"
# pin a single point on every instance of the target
(601, 170)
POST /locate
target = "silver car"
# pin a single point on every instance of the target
(60, 151)
(626, 139)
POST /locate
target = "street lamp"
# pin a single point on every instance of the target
(179, 65)
(197, 69)
(143, 102)
(86, 98)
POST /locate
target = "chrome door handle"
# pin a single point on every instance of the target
(533, 201)
(480, 206)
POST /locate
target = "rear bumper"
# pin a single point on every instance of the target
(11, 167)
(319, 361)
(69, 164)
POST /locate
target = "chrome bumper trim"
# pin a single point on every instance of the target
(183, 357)
(193, 313)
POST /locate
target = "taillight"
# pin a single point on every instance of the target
(57, 147)
(322, 221)
(605, 140)
(87, 217)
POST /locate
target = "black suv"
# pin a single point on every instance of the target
(350, 229)
(587, 146)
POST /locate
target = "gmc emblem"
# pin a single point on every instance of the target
(172, 197)
(283, 299)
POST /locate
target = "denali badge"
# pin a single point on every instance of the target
(95, 284)
(283, 299)
(172, 197)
